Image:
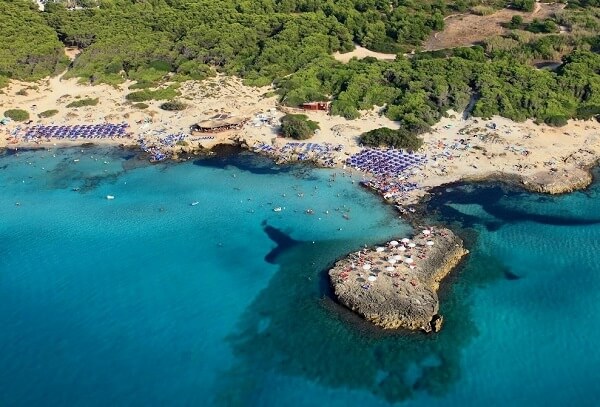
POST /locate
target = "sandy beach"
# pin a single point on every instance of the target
(542, 158)
(218, 95)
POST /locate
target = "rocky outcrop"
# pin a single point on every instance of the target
(558, 182)
(395, 286)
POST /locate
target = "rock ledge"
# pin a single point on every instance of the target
(395, 285)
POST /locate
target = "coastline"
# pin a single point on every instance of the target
(537, 158)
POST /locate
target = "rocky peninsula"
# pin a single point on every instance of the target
(395, 285)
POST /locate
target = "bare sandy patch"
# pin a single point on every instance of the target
(469, 29)
(360, 53)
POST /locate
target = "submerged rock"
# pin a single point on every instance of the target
(396, 286)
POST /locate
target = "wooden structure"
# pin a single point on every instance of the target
(217, 126)
(324, 106)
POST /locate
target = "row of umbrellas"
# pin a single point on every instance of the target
(385, 162)
(104, 130)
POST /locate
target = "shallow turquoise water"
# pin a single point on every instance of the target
(147, 300)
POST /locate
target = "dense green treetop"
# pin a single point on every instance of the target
(290, 42)
(29, 48)
(297, 126)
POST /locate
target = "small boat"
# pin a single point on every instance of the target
(194, 203)
(110, 197)
(76, 160)
(278, 209)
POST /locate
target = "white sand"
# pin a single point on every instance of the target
(360, 53)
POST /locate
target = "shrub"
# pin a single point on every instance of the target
(515, 22)
(297, 126)
(482, 10)
(18, 115)
(159, 94)
(22, 92)
(525, 5)
(140, 106)
(143, 85)
(173, 106)
(84, 102)
(384, 136)
(546, 26)
(587, 112)
(47, 113)
(556, 120)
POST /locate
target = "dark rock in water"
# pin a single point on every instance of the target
(282, 240)
(510, 275)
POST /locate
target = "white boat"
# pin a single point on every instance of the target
(110, 197)
(278, 209)
(76, 160)
(195, 203)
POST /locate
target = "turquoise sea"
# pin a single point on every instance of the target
(149, 300)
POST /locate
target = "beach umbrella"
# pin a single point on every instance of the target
(409, 260)
(397, 257)
(411, 245)
(390, 268)
(367, 267)
(380, 249)
(405, 240)
(402, 248)
(371, 278)
(392, 261)
(427, 232)
(429, 243)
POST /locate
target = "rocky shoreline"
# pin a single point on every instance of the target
(395, 285)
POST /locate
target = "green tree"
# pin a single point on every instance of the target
(386, 137)
(297, 126)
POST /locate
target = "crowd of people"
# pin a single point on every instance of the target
(156, 150)
(389, 187)
(322, 154)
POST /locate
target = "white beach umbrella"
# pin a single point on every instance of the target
(405, 240)
(390, 268)
(394, 243)
(429, 243)
(411, 245)
(402, 248)
(380, 249)
(371, 278)
(426, 232)
(408, 260)
(367, 267)
(392, 261)
(397, 257)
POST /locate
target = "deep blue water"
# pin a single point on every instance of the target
(147, 300)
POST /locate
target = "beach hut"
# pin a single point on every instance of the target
(218, 125)
(323, 106)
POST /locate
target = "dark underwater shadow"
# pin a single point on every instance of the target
(295, 328)
(499, 201)
(235, 157)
